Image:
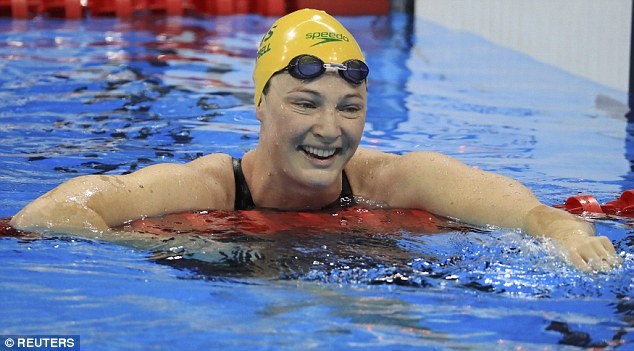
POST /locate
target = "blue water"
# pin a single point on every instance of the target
(102, 96)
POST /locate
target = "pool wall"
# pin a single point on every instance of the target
(588, 38)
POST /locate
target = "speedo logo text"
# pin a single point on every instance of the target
(325, 37)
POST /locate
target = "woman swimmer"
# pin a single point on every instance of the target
(310, 98)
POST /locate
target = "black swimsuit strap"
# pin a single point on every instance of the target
(244, 201)
(346, 198)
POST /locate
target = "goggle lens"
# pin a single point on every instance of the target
(356, 71)
(309, 67)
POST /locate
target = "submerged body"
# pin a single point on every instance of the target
(311, 128)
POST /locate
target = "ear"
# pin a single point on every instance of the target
(259, 109)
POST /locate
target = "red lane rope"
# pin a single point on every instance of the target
(73, 9)
(581, 204)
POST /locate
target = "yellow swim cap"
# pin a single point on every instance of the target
(305, 31)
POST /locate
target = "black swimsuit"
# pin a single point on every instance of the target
(244, 201)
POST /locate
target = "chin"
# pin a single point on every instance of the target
(319, 178)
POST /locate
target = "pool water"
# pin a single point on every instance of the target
(102, 96)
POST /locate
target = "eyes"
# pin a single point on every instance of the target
(304, 105)
(352, 108)
(348, 107)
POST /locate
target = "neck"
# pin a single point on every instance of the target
(271, 188)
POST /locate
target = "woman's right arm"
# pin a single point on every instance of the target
(99, 202)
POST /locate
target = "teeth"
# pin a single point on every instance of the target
(319, 152)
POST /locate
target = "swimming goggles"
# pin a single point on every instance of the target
(309, 67)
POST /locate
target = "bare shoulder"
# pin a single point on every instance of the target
(216, 169)
(364, 155)
(366, 172)
(422, 158)
(204, 183)
(377, 175)
(368, 161)
(213, 163)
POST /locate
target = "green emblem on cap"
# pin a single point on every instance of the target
(326, 37)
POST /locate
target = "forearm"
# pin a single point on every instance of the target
(575, 237)
(446, 187)
(547, 222)
(493, 199)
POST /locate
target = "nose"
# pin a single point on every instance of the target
(327, 127)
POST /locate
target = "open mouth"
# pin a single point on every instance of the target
(322, 154)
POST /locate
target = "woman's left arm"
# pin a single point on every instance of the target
(447, 187)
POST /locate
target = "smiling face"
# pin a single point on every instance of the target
(310, 129)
